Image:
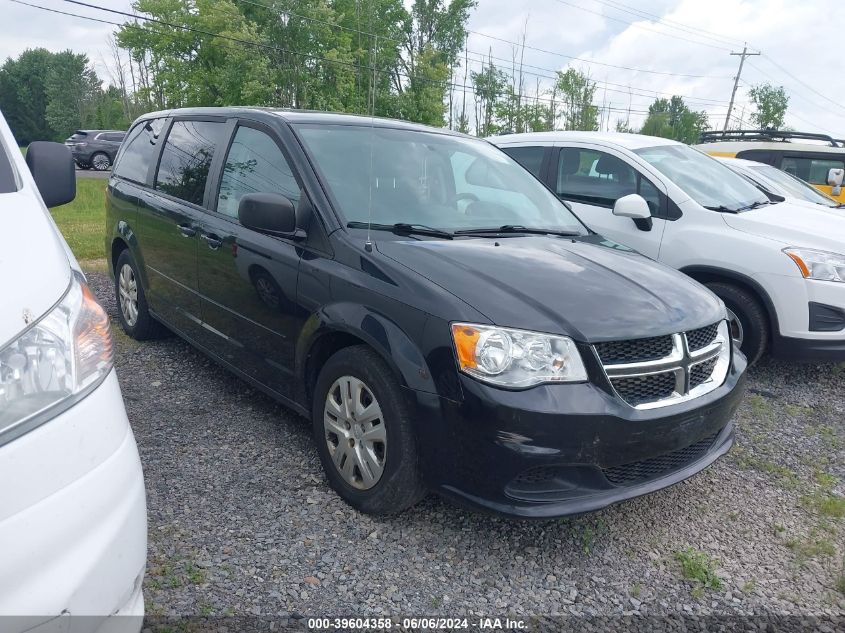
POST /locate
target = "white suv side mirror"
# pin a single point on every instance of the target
(834, 177)
(632, 206)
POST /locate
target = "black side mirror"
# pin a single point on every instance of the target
(52, 168)
(270, 213)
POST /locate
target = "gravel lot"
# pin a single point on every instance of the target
(241, 520)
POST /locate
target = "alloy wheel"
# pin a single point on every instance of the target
(100, 162)
(128, 295)
(355, 432)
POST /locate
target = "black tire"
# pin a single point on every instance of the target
(145, 326)
(751, 314)
(400, 485)
(103, 166)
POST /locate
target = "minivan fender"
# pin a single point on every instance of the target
(337, 325)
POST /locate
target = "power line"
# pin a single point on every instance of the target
(717, 37)
(640, 26)
(809, 87)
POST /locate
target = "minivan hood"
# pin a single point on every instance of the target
(588, 288)
(34, 268)
(794, 225)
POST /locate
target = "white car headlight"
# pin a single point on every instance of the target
(820, 265)
(56, 361)
(516, 358)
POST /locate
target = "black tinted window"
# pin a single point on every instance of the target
(529, 157)
(586, 175)
(112, 136)
(186, 159)
(138, 150)
(255, 164)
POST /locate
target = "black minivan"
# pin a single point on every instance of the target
(442, 318)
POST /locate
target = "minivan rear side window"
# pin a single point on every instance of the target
(139, 150)
(186, 159)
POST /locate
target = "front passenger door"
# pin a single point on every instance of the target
(248, 280)
(592, 181)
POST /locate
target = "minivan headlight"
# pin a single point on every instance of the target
(57, 360)
(516, 358)
(819, 265)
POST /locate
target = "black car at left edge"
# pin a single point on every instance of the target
(444, 321)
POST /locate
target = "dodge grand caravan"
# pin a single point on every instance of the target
(445, 322)
(778, 267)
(73, 522)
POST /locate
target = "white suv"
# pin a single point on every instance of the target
(73, 527)
(779, 268)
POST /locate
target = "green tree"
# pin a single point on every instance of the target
(671, 118)
(576, 92)
(23, 95)
(771, 103)
(489, 84)
(73, 94)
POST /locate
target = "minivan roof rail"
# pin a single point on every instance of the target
(767, 134)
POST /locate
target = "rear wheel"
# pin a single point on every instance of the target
(100, 161)
(363, 429)
(748, 321)
(132, 311)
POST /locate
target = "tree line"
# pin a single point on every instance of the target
(362, 56)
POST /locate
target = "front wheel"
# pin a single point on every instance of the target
(748, 321)
(132, 311)
(364, 435)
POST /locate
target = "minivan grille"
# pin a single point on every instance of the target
(640, 389)
(700, 373)
(655, 467)
(656, 371)
(702, 337)
(635, 350)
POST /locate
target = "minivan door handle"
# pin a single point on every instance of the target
(186, 230)
(212, 240)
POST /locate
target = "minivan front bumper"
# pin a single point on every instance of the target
(559, 450)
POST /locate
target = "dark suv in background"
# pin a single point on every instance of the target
(95, 148)
(444, 321)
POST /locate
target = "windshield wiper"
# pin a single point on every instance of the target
(517, 228)
(722, 209)
(755, 205)
(403, 228)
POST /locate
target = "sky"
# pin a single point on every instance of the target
(635, 50)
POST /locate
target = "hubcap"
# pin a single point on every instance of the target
(101, 162)
(127, 289)
(355, 432)
(735, 325)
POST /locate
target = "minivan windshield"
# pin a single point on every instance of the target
(704, 179)
(790, 185)
(391, 176)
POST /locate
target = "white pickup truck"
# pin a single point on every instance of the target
(779, 268)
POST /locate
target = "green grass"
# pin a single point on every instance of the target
(826, 504)
(82, 222)
(698, 567)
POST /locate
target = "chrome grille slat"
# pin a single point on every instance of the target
(686, 362)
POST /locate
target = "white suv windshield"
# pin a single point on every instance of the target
(704, 179)
(792, 186)
(438, 180)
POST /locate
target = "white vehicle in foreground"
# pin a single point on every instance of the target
(775, 181)
(779, 267)
(73, 527)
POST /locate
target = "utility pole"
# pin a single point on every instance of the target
(742, 57)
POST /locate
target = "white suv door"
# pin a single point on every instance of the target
(592, 179)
